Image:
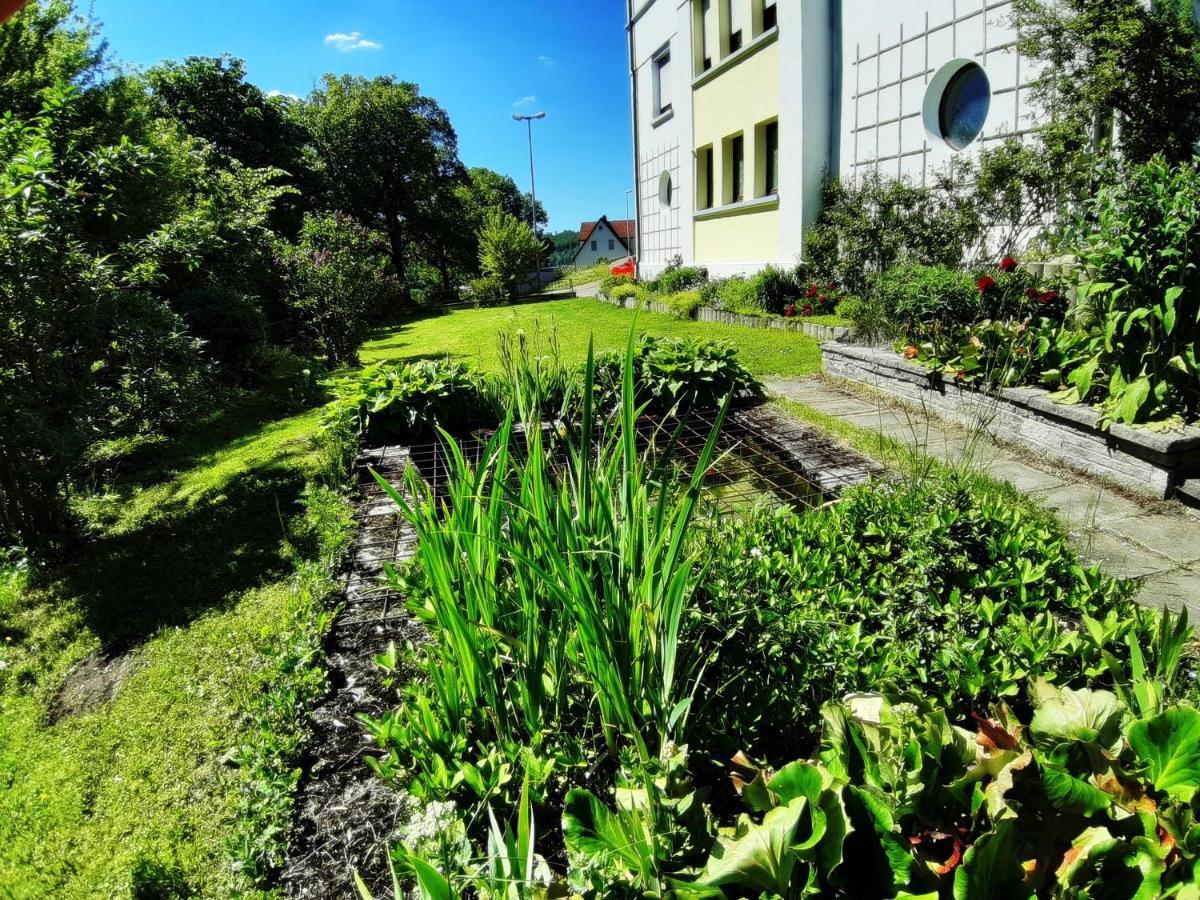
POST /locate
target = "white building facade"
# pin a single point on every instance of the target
(741, 107)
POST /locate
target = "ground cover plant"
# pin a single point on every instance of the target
(562, 735)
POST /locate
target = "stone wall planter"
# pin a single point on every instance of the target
(710, 314)
(1150, 462)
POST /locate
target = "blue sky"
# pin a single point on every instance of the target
(482, 61)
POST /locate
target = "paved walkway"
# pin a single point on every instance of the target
(1157, 542)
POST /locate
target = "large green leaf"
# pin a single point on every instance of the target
(878, 858)
(991, 867)
(758, 856)
(1071, 794)
(1169, 744)
(1088, 850)
(1092, 717)
(592, 829)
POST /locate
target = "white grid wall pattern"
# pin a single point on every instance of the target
(886, 85)
(659, 235)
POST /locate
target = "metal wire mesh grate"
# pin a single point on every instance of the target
(762, 456)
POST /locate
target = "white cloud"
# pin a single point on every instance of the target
(282, 94)
(546, 61)
(348, 43)
(525, 101)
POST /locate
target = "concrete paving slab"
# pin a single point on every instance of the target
(1174, 589)
(1023, 477)
(1088, 503)
(1120, 557)
(1174, 536)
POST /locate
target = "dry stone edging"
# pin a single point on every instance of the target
(1152, 462)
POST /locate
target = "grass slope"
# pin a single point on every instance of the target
(185, 573)
(470, 335)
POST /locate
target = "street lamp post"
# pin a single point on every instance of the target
(528, 120)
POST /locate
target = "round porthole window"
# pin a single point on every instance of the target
(963, 106)
(664, 188)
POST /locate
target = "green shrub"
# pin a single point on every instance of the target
(681, 278)
(676, 374)
(920, 295)
(777, 289)
(684, 304)
(940, 587)
(626, 290)
(868, 226)
(1140, 244)
(391, 401)
(508, 251)
(337, 283)
(738, 295)
(610, 281)
(231, 325)
(487, 290)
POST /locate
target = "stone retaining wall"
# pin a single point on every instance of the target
(1151, 462)
(711, 314)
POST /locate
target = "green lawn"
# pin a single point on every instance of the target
(470, 335)
(185, 572)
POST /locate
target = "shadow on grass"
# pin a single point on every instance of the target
(188, 560)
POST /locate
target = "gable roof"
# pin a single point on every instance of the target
(622, 228)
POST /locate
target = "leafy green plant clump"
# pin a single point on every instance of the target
(676, 375)
(684, 304)
(1129, 346)
(943, 587)
(383, 401)
(1086, 797)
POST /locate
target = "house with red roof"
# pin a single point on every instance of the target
(606, 240)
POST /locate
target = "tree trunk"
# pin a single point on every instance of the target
(398, 247)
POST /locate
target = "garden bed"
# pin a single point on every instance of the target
(711, 314)
(345, 816)
(1151, 462)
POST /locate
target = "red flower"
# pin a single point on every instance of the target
(1032, 293)
(985, 284)
(790, 310)
(960, 375)
(910, 352)
(812, 291)
(1047, 297)
(1008, 264)
(807, 309)
(833, 285)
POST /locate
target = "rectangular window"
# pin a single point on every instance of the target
(737, 23)
(710, 35)
(612, 245)
(661, 74)
(704, 177)
(593, 245)
(768, 14)
(737, 168)
(771, 161)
